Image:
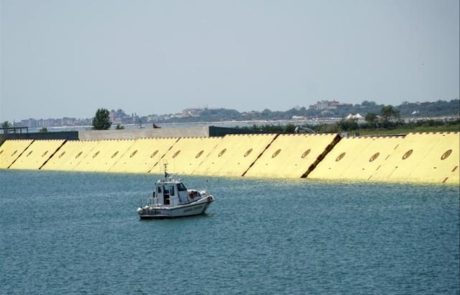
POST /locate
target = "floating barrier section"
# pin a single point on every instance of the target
(143, 155)
(431, 158)
(355, 158)
(37, 154)
(187, 154)
(84, 156)
(104, 155)
(64, 157)
(441, 162)
(422, 158)
(234, 155)
(10, 150)
(367, 160)
(416, 158)
(290, 156)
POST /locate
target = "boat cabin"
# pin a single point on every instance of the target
(172, 192)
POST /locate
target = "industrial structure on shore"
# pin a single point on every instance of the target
(424, 158)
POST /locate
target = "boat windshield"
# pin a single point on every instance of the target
(181, 187)
(169, 189)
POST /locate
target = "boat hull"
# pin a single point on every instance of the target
(191, 209)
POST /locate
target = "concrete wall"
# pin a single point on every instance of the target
(66, 135)
(425, 158)
(194, 131)
(144, 133)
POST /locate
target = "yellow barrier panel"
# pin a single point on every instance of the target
(405, 158)
(454, 176)
(143, 155)
(340, 158)
(89, 160)
(69, 156)
(10, 150)
(187, 154)
(290, 156)
(234, 155)
(376, 150)
(415, 158)
(451, 160)
(422, 158)
(83, 155)
(37, 154)
(438, 164)
(64, 155)
(402, 161)
(104, 155)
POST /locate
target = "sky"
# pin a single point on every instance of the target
(66, 58)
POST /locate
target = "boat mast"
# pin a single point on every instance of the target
(166, 170)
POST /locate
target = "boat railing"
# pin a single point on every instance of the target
(149, 200)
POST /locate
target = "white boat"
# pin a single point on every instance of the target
(172, 199)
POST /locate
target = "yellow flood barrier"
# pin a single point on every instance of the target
(374, 152)
(423, 158)
(291, 156)
(37, 154)
(441, 160)
(415, 158)
(453, 178)
(187, 154)
(69, 156)
(64, 155)
(340, 158)
(143, 155)
(10, 150)
(234, 155)
(104, 155)
(83, 156)
(97, 158)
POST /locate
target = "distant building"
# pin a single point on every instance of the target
(325, 105)
(192, 112)
(354, 117)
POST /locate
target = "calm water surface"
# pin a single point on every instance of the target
(75, 233)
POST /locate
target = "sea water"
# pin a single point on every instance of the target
(79, 233)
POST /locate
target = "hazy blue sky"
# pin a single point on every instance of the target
(67, 58)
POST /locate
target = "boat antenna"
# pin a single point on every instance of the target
(166, 170)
